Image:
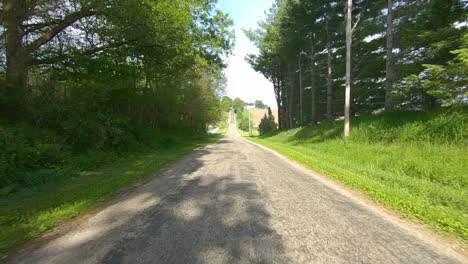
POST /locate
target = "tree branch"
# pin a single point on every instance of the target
(29, 28)
(366, 5)
(61, 26)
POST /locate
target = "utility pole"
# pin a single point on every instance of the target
(348, 67)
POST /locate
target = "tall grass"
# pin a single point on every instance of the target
(413, 162)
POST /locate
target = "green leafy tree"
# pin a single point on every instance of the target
(258, 104)
(238, 105)
(226, 103)
(242, 118)
(96, 71)
(77, 75)
(134, 58)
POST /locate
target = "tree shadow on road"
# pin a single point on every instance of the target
(222, 221)
(201, 216)
(208, 218)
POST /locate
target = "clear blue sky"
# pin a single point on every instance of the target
(243, 81)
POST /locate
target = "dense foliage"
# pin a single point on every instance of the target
(78, 75)
(226, 104)
(242, 118)
(419, 63)
(238, 105)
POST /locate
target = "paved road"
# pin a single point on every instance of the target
(235, 202)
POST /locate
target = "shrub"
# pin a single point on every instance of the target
(97, 130)
(24, 149)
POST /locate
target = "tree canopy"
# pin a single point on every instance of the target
(302, 52)
(85, 67)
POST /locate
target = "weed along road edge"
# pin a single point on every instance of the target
(235, 202)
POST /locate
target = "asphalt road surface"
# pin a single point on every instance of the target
(236, 202)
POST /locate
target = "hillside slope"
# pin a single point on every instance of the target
(413, 162)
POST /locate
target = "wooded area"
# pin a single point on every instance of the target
(66, 63)
(405, 54)
(79, 75)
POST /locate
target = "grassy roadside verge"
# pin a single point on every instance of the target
(29, 213)
(390, 159)
(246, 133)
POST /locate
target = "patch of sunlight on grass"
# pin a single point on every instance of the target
(423, 179)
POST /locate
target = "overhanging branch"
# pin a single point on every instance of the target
(62, 25)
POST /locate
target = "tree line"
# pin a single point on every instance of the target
(405, 54)
(95, 70)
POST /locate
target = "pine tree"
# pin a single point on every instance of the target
(267, 123)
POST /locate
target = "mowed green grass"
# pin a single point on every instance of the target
(416, 163)
(29, 213)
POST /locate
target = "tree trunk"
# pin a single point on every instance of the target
(16, 58)
(277, 88)
(301, 91)
(291, 96)
(313, 89)
(389, 66)
(280, 114)
(330, 114)
(348, 67)
(286, 102)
